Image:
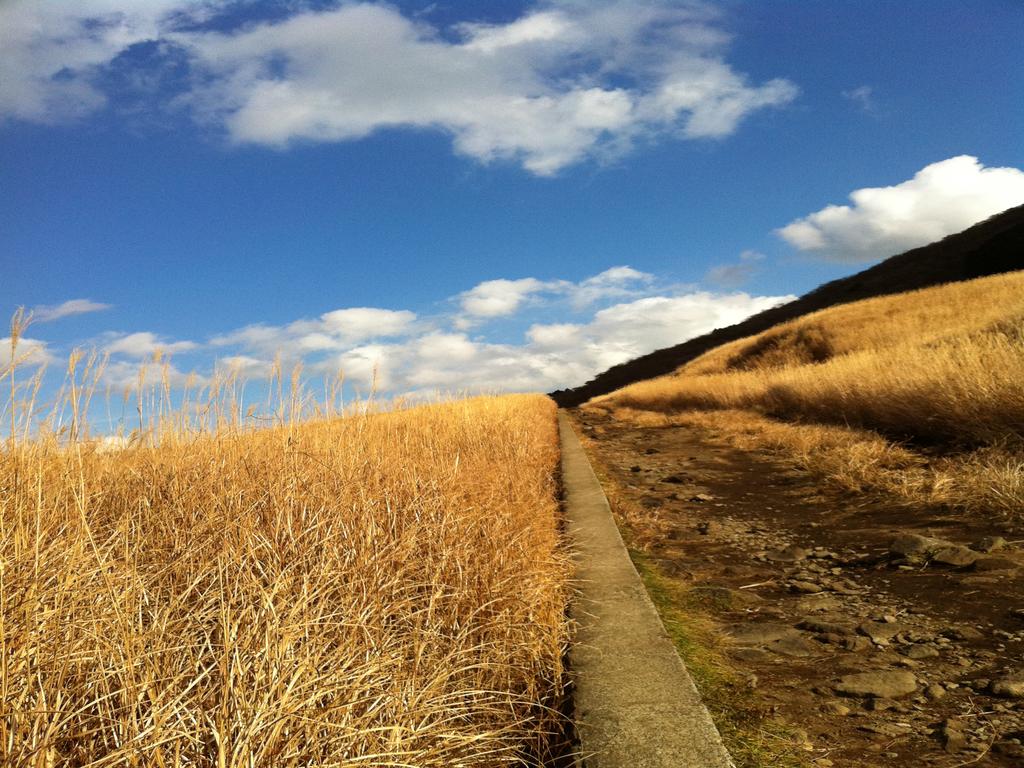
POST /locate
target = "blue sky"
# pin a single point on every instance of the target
(477, 194)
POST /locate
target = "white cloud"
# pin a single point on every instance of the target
(502, 298)
(735, 275)
(47, 314)
(555, 336)
(614, 283)
(863, 96)
(146, 344)
(50, 51)
(942, 198)
(536, 90)
(422, 355)
(565, 81)
(498, 298)
(622, 313)
(553, 355)
(124, 375)
(29, 352)
(641, 326)
(244, 366)
(369, 365)
(544, 26)
(361, 323)
(337, 330)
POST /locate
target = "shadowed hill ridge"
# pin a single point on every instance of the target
(990, 247)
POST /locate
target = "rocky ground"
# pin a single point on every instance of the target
(888, 635)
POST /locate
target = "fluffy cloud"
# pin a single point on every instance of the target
(51, 50)
(941, 199)
(244, 366)
(498, 298)
(30, 352)
(501, 298)
(565, 354)
(565, 81)
(47, 314)
(336, 330)
(429, 357)
(146, 344)
(537, 90)
(621, 312)
(614, 283)
(126, 375)
(366, 323)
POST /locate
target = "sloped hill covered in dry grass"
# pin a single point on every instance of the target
(920, 393)
(991, 247)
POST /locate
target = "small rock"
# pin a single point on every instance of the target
(935, 692)
(836, 708)
(824, 627)
(963, 634)
(879, 633)
(844, 589)
(819, 603)
(806, 587)
(919, 652)
(761, 634)
(708, 528)
(955, 555)
(831, 638)
(911, 545)
(635, 468)
(883, 684)
(1011, 686)
(857, 644)
(790, 554)
(674, 479)
(700, 498)
(924, 548)
(888, 730)
(953, 739)
(990, 544)
(799, 647)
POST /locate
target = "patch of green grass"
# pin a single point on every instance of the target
(752, 736)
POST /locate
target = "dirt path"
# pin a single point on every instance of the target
(636, 706)
(878, 659)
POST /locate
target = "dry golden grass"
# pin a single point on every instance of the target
(941, 367)
(985, 480)
(383, 589)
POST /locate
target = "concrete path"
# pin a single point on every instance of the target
(636, 706)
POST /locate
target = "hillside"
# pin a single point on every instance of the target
(832, 511)
(990, 247)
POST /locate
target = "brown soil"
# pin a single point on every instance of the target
(717, 519)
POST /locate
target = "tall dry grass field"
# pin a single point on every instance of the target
(383, 589)
(941, 368)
